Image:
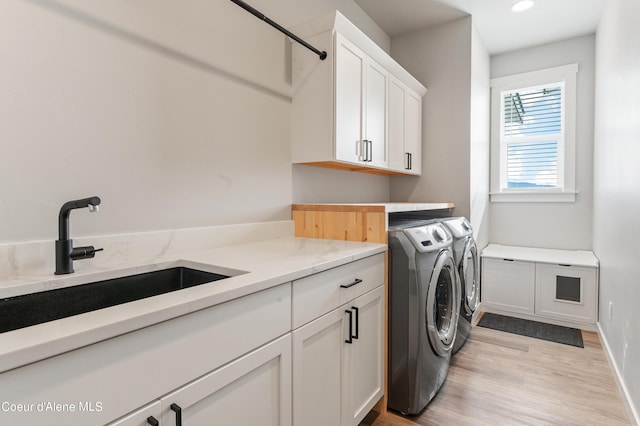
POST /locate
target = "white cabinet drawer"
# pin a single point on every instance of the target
(318, 294)
(508, 285)
(566, 292)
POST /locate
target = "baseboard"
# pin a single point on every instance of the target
(631, 410)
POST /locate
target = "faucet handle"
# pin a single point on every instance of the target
(86, 252)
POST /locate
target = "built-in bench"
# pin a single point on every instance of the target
(549, 285)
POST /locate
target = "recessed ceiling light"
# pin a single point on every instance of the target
(522, 5)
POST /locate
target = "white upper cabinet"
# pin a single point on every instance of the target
(342, 106)
(361, 106)
(350, 70)
(405, 128)
(375, 114)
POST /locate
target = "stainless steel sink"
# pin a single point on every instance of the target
(37, 308)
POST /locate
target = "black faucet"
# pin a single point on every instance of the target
(65, 252)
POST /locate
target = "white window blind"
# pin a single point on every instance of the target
(532, 137)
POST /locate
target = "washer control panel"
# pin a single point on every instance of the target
(429, 238)
(459, 227)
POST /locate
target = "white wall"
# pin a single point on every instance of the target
(479, 140)
(318, 185)
(142, 104)
(616, 230)
(176, 114)
(440, 58)
(553, 225)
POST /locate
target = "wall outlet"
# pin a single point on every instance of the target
(610, 310)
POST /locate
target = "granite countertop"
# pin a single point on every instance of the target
(263, 264)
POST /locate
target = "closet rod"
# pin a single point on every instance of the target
(260, 15)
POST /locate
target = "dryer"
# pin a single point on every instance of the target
(465, 254)
(424, 296)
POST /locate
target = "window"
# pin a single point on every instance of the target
(533, 136)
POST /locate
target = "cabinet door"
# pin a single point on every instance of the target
(375, 113)
(142, 417)
(405, 128)
(364, 357)
(252, 390)
(350, 69)
(508, 285)
(413, 132)
(318, 349)
(566, 292)
(397, 157)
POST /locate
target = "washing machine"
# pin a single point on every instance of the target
(424, 296)
(465, 254)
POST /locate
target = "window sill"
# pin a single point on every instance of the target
(533, 197)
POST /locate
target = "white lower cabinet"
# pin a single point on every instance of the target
(508, 285)
(261, 379)
(317, 367)
(557, 286)
(115, 380)
(566, 292)
(364, 360)
(233, 364)
(253, 390)
(338, 363)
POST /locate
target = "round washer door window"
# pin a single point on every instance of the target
(443, 300)
(469, 276)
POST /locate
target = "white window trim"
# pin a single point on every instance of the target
(566, 73)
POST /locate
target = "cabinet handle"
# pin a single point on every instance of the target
(355, 336)
(508, 260)
(176, 409)
(349, 340)
(152, 421)
(564, 264)
(364, 150)
(357, 281)
(367, 150)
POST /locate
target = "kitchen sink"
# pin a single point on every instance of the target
(37, 308)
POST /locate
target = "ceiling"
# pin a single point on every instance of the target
(499, 28)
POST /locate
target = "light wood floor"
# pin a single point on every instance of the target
(500, 378)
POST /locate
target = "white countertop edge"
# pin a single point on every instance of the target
(541, 255)
(31, 344)
(392, 207)
(406, 207)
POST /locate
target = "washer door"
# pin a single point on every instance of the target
(469, 276)
(443, 299)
